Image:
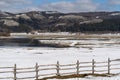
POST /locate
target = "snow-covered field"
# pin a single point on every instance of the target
(28, 56)
(86, 50)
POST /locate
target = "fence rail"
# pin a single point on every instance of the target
(43, 71)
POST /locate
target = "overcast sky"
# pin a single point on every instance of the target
(59, 5)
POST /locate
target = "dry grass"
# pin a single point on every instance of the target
(56, 45)
(81, 43)
(75, 36)
(29, 48)
(78, 76)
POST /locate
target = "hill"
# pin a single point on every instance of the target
(53, 21)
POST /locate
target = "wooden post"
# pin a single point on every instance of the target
(58, 68)
(93, 66)
(108, 65)
(77, 67)
(37, 71)
(15, 72)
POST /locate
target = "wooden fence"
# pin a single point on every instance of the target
(43, 71)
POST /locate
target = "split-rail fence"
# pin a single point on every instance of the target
(42, 71)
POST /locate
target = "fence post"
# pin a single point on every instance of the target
(108, 65)
(93, 66)
(77, 67)
(15, 72)
(58, 68)
(37, 71)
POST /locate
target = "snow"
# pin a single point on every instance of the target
(50, 55)
(114, 14)
(28, 56)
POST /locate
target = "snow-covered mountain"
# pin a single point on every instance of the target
(56, 21)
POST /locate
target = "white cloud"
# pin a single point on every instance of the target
(61, 6)
(16, 1)
(114, 2)
(66, 6)
(13, 5)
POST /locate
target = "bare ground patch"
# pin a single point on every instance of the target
(78, 76)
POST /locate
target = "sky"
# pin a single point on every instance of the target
(64, 6)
